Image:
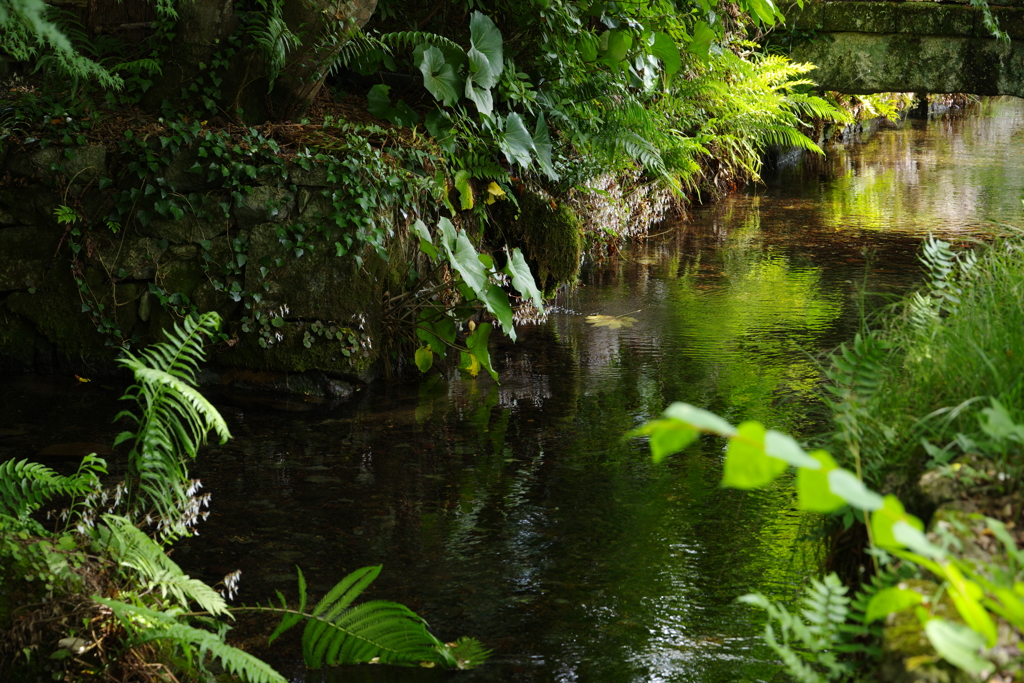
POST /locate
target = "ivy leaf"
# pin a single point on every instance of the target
(522, 278)
(485, 44)
(439, 77)
(516, 142)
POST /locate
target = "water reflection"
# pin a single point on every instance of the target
(516, 513)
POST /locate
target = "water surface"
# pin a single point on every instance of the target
(517, 513)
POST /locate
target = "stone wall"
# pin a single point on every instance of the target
(72, 293)
(863, 47)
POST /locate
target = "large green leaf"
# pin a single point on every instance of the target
(485, 48)
(665, 49)
(496, 301)
(466, 260)
(813, 493)
(613, 47)
(516, 142)
(465, 189)
(746, 465)
(542, 146)
(477, 345)
(890, 600)
(482, 97)
(785, 447)
(958, 644)
(883, 519)
(424, 358)
(522, 278)
(439, 77)
(700, 42)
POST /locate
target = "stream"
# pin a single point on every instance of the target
(517, 513)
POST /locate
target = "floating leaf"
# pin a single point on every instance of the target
(612, 322)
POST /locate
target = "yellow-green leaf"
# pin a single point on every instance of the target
(746, 464)
(812, 488)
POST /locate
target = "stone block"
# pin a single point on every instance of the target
(138, 256)
(1011, 20)
(810, 17)
(264, 205)
(314, 177)
(930, 18)
(27, 255)
(80, 164)
(177, 174)
(188, 229)
(860, 17)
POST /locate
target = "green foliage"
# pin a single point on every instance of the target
(479, 283)
(111, 556)
(27, 486)
(806, 642)
(378, 631)
(174, 421)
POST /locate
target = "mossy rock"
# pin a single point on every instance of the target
(18, 341)
(550, 237)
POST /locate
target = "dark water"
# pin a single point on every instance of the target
(517, 513)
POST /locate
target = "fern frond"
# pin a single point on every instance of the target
(410, 39)
(147, 625)
(379, 631)
(175, 421)
(25, 486)
(134, 549)
(857, 369)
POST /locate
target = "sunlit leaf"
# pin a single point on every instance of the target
(612, 322)
(883, 519)
(812, 487)
(746, 464)
(700, 43)
(424, 358)
(699, 418)
(667, 437)
(522, 278)
(465, 189)
(890, 600)
(958, 644)
(847, 486)
(785, 447)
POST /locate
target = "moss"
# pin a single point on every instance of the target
(551, 238)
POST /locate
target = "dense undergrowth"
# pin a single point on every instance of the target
(926, 406)
(94, 594)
